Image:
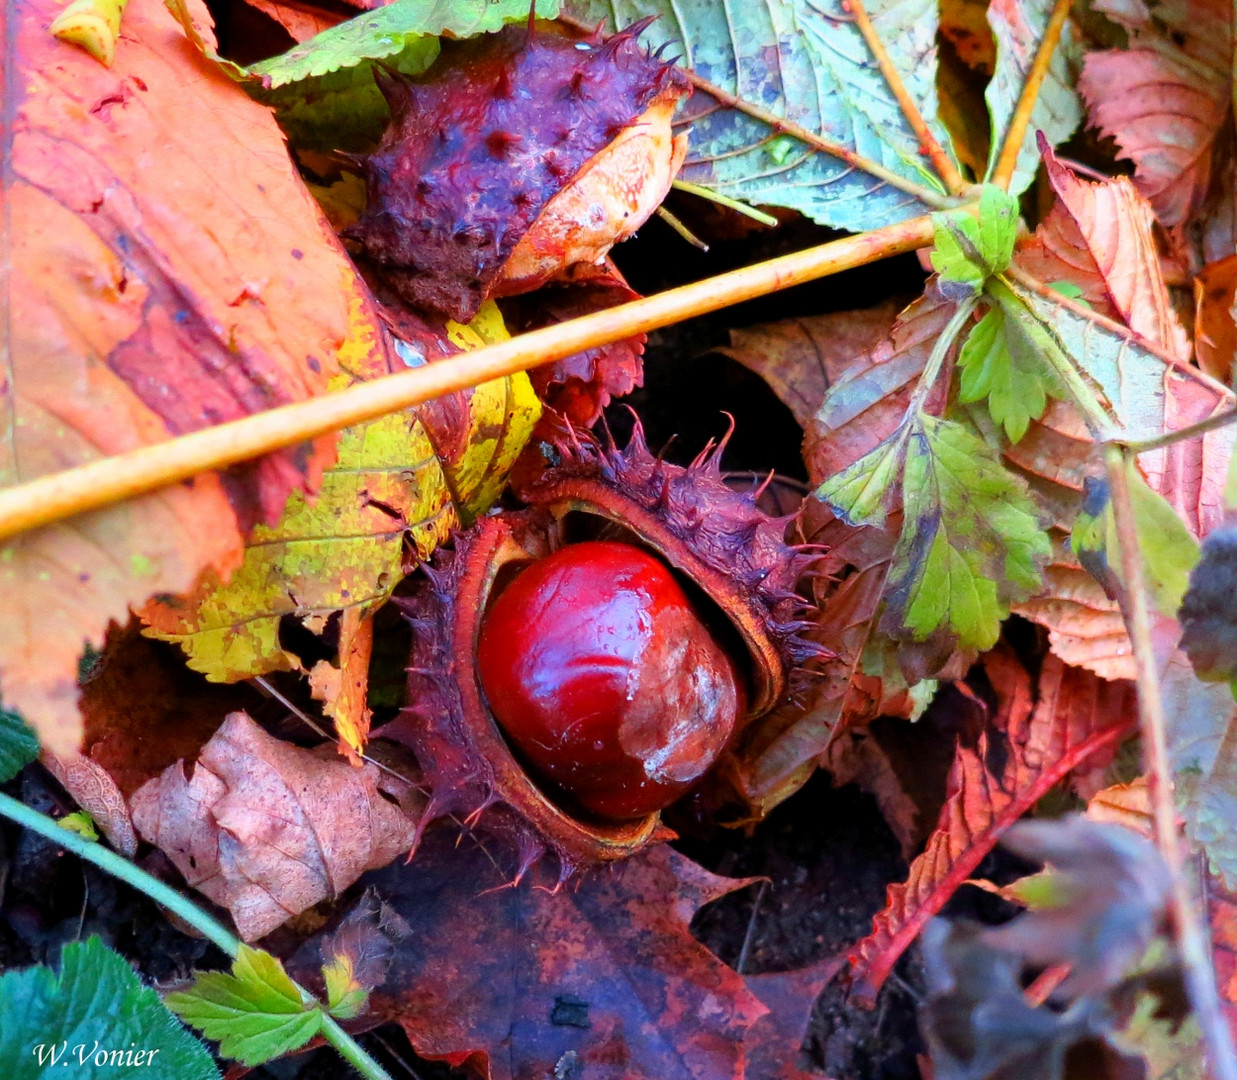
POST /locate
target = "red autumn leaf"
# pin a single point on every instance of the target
(267, 829)
(1099, 237)
(171, 272)
(1037, 736)
(602, 977)
(1164, 99)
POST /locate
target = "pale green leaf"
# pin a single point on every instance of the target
(345, 996)
(1018, 27)
(860, 494)
(84, 1020)
(1168, 549)
(806, 62)
(256, 1013)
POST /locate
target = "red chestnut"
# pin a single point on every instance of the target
(605, 679)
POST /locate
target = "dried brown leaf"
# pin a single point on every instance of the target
(266, 829)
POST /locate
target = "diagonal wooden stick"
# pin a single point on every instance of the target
(88, 487)
(929, 145)
(1007, 162)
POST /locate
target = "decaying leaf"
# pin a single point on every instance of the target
(266, 829)
(171, 272)
(1035, 739)
(801, 358)
(624, 991)
(1099, 237)
(1215, 318)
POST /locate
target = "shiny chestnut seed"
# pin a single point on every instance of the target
(606, 681)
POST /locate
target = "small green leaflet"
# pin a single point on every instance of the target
(81, 823)
(93, 1017)
(255, 1014)
(971, 541)
(1169, 550)
(1002, 361)
(18, 746)
(968, 250)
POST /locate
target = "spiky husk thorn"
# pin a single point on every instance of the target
(715, 536)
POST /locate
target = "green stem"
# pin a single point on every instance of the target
(165, 895)
(940, 349)
(725, 200)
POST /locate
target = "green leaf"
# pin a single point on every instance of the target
(1168, 548)
(1018, 27)
(969, 249)
(94, 1006)
(81, 823)
(807, 63)
(860, 493)
(18, 746)
(323, 89)
(255, 1014)
(971, 541)
(1001, 362)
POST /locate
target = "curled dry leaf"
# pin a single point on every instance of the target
(266, 829)
(96, 792)
(1035, 739)
(171, 272)
(1215, 317)
(624, 992)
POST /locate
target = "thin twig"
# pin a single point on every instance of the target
(105, 859)
(737, 205)
(748, 937)
(1187, 923)
(1007, 162)
(88, 487)
(928, 143)
(681, 229)
(1191, 431)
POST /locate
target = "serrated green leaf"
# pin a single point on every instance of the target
(1002, 362)
(18, 745)
(1018, 27)
(860, 494)
(808, 63)
(94, 1006)
(968, 249)
(255, 1014)
(345, 997)
(971, 541)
